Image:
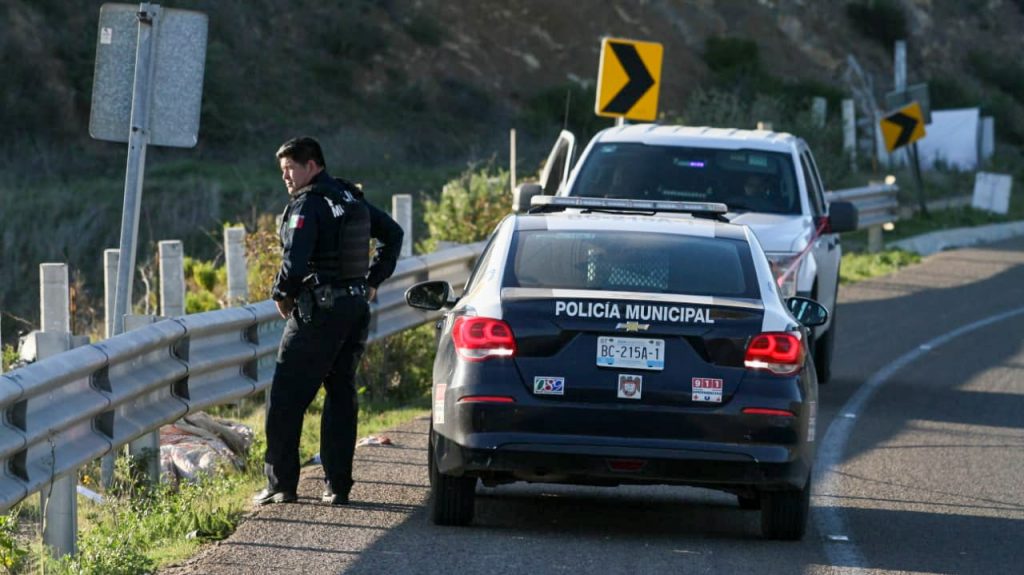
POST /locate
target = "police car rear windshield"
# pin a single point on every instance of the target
(745, 180)
(631, 261)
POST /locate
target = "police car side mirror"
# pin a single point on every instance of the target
(522, 195)
(842, 217)
(807, 311)
(432, 295)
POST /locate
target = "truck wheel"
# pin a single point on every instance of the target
(452, 499)
(784, 513)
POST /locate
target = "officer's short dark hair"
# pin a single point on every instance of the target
(302, 150)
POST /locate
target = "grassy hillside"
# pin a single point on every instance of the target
(405, 93)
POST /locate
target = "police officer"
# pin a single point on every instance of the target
(322, 289)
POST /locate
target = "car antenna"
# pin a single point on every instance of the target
(565, 116)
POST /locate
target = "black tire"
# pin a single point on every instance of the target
(823, 347)
(784, 513)
(749, 503)
(452, 499)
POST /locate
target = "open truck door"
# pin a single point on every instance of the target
(552, 177)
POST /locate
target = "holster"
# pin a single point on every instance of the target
(304, 303)
(323, 295)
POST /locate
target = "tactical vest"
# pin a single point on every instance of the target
(350, 257)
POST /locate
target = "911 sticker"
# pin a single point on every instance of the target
(706, 389)
(543, 385)
(439, 391)
(630, 386)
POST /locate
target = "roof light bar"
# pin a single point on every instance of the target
(710, 208)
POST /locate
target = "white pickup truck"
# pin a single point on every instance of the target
(768, 179)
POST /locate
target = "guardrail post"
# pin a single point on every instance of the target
(874, 239)
(145, 447)
(58, 502)
(850, 132)
(110, 261)
(401, 210)
(234, 255)
(172, 278)
(819, 111)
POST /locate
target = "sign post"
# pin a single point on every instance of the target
(628, 80)
(147, 90)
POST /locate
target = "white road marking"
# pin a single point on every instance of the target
(828, 513)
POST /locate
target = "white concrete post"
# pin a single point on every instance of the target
(512, 160)
(234, 255)
(172, 278)
(819, 111)
(110, 261)
(401, 211)
(900, 65)
(850, 132)
(59, 501)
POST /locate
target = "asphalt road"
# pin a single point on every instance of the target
(921, 468)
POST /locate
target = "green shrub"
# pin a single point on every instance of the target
(881, 20)
(398, 368)
(263, 257)
(858, 267)
(12, 554)
(106, 550)
(200, 302)
(9, 356)
(469, 208)
(205, 275)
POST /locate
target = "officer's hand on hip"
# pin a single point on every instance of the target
(285, 307)
(371, 293)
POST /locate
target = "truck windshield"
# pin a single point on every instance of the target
(745, 180)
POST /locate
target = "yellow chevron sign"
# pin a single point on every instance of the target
(628, 79)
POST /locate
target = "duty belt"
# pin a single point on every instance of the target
(349, 287)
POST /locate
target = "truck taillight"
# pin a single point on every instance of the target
(780, 353)
(480, 338)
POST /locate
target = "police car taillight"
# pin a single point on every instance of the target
(776, 352)
(480, 338)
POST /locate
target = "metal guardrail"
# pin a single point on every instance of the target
(73, 407)
(876, 204)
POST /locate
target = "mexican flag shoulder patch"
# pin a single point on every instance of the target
(295, 222)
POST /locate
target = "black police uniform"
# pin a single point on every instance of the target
(325, 231)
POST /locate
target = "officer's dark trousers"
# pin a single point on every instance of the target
(325, 351)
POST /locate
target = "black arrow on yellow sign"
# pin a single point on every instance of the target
(640, 79)
(906, 124)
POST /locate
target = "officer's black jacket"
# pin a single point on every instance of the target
(308, 217)
(388, 234)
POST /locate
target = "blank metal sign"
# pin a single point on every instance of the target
(176, 84)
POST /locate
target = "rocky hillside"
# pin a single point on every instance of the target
(395, 86)
(425, 78)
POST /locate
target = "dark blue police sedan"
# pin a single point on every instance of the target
(608, 342)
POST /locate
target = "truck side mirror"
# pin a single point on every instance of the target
(522, 195)
(842, 217)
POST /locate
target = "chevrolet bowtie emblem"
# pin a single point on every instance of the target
(633, 326)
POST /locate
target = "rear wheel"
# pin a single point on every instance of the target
(452, 499)
(784, 513)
